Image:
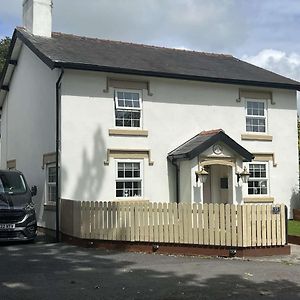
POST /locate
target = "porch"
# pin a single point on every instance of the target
(212, 168)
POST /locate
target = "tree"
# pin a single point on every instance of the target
(4, 46)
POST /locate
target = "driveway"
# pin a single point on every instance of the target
(46, 270)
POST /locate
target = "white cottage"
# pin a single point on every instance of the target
(107, 120)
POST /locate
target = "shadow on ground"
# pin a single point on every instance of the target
(47, 270)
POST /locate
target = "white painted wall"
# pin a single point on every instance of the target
(176, 112)
(28, 124)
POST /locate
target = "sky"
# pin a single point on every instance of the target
(263, 32)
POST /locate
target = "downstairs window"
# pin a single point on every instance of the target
(258, 180)
(129, 179)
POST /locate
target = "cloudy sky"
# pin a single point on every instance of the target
(266, 33)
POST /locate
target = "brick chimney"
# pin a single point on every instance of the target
(37, 17)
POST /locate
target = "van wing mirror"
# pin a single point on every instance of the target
(33, 190)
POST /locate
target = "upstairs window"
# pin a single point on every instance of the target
(128, 112)
(258, 181)
(256, 116)
(129, 179)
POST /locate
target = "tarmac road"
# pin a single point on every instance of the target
(46, 270)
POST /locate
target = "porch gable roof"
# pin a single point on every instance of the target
(203, 141)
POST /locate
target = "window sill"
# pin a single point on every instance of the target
(256, 137)
(50, 206)
(128, 199)
(127, 132)
(258, 199)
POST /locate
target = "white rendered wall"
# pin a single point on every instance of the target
(28, 124)
(177, 111)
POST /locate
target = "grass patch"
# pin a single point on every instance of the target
(294, 227)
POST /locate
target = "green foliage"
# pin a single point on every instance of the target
(4, 46)
(294, 227)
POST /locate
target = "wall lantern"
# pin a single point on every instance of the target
(202, 175)
(244, 175)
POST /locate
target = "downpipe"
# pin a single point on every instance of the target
(173, 162)
(57, 155)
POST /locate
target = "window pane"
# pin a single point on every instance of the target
(128, 170)
(136, 174)
(255, 108)
(120, 95)
(128, 166)
(136, 115)
(128, 118)
(119, 193)
(51, 193)
(120, 174)
(136, 103)
(136, 166)
(128, 189)
(128, 95)
(121, 166)
(127, 123)
(119, 123)
(52, 174)
(255, 124)
(128, 174)
(12, 183)
(135, 96)
(119, 185)
(128, 103)
(121, 103)
(128, 184)
(128, 99)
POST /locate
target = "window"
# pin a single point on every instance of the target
(256, 116)
(128, 108)
(11, 164)
(258, 181)
(129, 179)
(12, 183)
(51, 183)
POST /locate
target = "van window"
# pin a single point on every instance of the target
(12, 183)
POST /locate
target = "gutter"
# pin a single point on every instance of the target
(118, 70)
(57, 154)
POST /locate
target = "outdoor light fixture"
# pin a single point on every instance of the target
(244, 175)
(202, 175)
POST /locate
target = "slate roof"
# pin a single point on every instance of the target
(70, 51)
(203, 141)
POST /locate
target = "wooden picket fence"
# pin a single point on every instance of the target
(208, 224)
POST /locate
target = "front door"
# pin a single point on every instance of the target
(218, 186)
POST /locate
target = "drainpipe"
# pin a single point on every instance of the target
(173, 161)
(286, 224)
(57, 153)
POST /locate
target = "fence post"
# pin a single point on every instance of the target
(286, 224)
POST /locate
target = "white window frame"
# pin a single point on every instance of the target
(265, 116)
(141, 178)
(117, 107)
(267, 178)
(47, 183)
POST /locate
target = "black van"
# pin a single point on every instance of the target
(17, 214)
